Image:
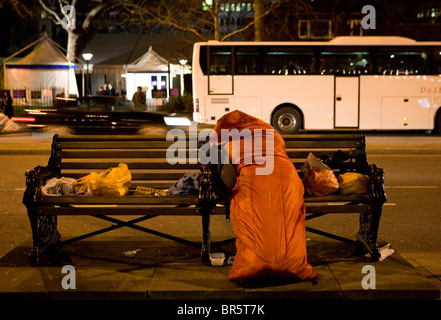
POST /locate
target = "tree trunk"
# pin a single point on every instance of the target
(258, 21)
(216, 11)
(72, 44)
(216, 27)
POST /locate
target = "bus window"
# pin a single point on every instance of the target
(436, 66)
(203, 59)
(220, 60)
(398, 61)
(345, 60)
(288, 60)
(247, 60)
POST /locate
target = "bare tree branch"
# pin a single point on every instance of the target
(198, 17)
(92, 15)
(55, 16)
(19, 7)
(273, 5)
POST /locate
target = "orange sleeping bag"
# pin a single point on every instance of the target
(267, 210)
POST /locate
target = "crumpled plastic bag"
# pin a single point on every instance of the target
(318, 178)
(59, 186)
(353, 183)
(112, 182)
(83, 186)
(385, 252)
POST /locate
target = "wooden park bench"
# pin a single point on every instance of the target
(77, 156)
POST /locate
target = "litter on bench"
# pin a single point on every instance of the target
(131, 254)
(150, 191)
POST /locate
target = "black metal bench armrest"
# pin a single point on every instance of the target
(376, 184)
(205, 184)
(35, 179)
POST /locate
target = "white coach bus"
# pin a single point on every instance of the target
(359, 83)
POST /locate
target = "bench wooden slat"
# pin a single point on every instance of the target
(103, 165)
(124, 144)
(62, 138)
(166, 144)
(92, 154)
(312, 208)
(297, 162)
(133, 210)
(293, 137)
(303, 154)
(323, 144)
(152, 184)
(339, 198)
(173, 176)
(325, 209)
(129, 200)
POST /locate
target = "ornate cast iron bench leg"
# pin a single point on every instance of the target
(44, 228)
(206, 203)
(44, 234)
(368, 232)
(206, 236)
(369, 222)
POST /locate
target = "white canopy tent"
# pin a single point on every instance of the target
(41, 74)
(153, 72)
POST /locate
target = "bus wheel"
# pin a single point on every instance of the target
(286, 120)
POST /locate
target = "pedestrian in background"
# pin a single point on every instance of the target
(7, 105)
(111, 90)
(101, 91)
(139, 98)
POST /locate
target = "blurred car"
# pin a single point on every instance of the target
(93, 112)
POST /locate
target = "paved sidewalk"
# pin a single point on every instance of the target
(166, 270)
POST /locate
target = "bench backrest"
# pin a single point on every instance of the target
(146, 157)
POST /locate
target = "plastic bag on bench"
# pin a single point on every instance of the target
(83, 185)
(112, 182)
(58, 186)
(353, 183)
(318, 178)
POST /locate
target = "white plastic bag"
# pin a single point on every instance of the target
(58, 187)
(385, 252)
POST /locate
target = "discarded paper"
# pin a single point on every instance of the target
(130, 254)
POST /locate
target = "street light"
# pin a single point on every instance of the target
(87, 57)
(183, 62)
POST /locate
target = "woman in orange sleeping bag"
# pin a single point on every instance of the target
(267, 207)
